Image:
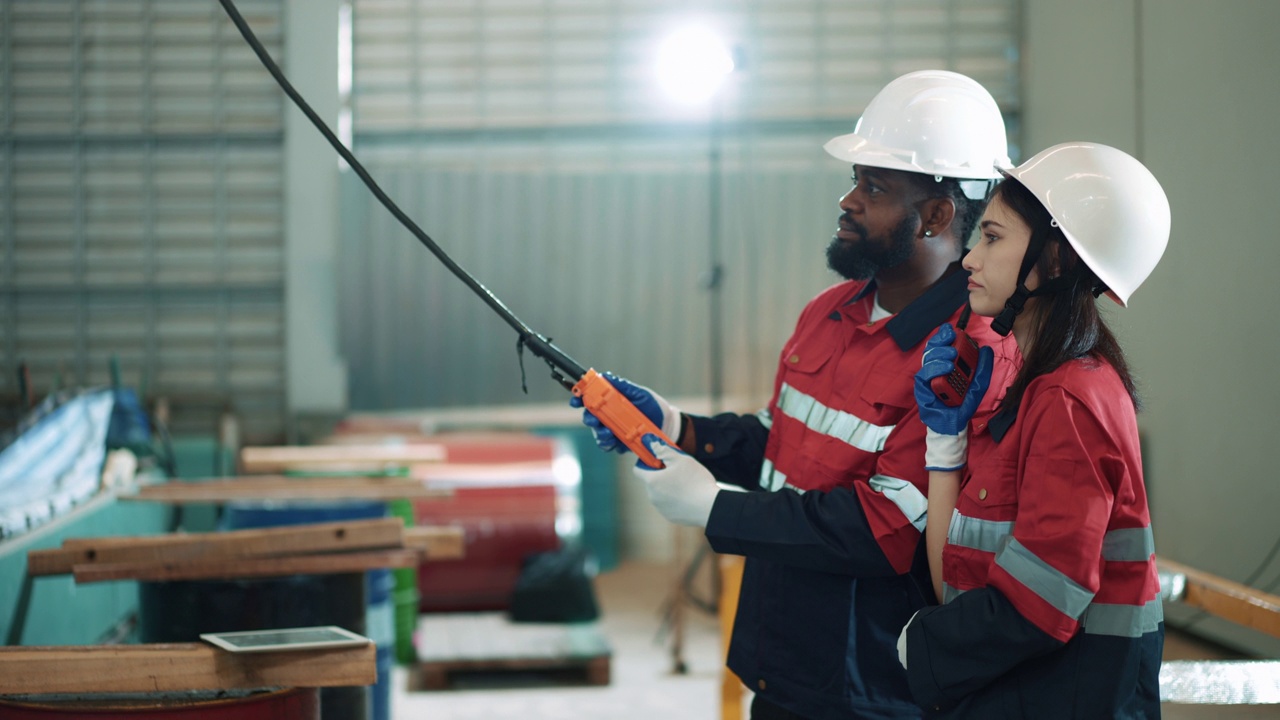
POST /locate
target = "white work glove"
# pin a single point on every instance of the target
(683, 491)
(902, 641)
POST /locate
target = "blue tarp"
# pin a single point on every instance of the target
(55, 460)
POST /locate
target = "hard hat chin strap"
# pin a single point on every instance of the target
(1003, 324)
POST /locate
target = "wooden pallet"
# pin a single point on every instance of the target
(457, 650)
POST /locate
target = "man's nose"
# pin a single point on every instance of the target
(849, 203)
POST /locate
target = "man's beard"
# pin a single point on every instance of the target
(859, 260)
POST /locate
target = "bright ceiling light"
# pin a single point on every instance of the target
(692, 65)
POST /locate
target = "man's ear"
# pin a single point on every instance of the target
(937, 215)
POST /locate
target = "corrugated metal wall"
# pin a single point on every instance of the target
(610, 262)
(140, 204)
(526, 138)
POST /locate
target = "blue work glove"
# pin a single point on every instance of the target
(682, 490)
(660, 412)
(947, 437)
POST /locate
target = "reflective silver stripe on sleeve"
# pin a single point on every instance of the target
(1129, 621)
(770, 478)
(838, 424)
(906, 496)
(949, 593)
(765, 417)
(984, 535)
(1043, 579)
(1129, 545)
(773, 481)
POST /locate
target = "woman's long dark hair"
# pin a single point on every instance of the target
(1065, 325)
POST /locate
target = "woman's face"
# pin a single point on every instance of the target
(995, 259)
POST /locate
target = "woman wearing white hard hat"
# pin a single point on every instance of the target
(1039, 533)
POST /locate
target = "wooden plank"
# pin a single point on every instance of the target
(732, 691)
(280, 488)
(265, 542)
(330, 457)
(180, 537)
(484, 473)
(437, 542)
(1229, 600)
(175, 667)
(248, 567)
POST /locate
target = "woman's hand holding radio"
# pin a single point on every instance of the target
(946, 441)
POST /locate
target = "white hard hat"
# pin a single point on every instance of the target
(1107, 204)
(934, 122)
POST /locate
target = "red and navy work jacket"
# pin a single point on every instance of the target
(1052, 602)
(831, 532)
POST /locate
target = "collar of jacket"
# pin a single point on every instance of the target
(1001, 422)
(918, 320)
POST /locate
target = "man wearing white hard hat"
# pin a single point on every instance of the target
(1039, 532)
(833, 467)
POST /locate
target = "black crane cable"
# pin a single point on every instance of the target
(538, 345)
